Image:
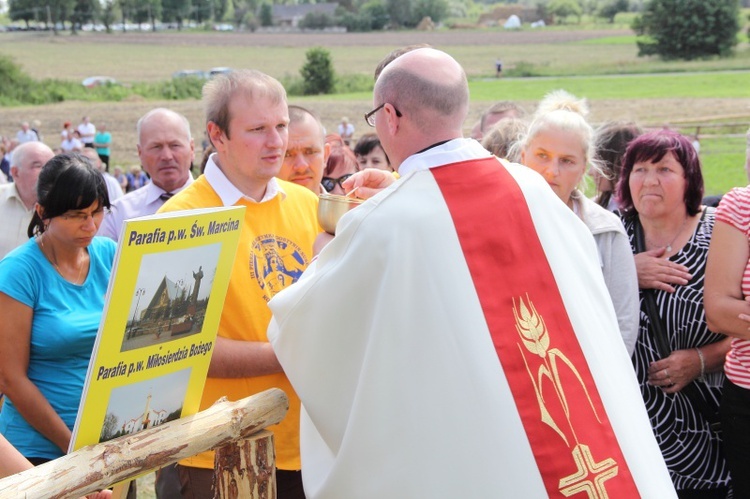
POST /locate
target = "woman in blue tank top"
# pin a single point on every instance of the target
(52, 295)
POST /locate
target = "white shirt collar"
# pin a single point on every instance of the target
(452, 151)
(10, 190)
(153, 191)
(230, 194)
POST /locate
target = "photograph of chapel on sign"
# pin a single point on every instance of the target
(143, 405)
(171, 296)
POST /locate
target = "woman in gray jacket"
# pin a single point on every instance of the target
(559, 144)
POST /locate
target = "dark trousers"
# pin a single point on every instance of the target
(718, 493)
(196, 483)
(735, 426)
(105, 161)
(167, 484)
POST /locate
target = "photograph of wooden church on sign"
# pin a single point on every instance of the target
(171, 296)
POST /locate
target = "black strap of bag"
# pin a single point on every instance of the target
(659, 332)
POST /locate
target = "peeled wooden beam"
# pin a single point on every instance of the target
(96, 467)
(246, 468)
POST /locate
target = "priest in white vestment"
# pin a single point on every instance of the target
(456, 338)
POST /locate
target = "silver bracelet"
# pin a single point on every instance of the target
(703, 364)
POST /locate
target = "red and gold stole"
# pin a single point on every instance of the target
(565, 421)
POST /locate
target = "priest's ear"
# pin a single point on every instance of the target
(392, 118)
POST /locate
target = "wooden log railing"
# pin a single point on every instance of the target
(228, 427)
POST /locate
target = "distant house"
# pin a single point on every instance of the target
(499, 15)
(291, 15)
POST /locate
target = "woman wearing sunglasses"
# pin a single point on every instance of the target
(341, 164)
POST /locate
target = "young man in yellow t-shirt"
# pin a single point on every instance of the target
(247, 122)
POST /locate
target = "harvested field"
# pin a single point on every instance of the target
(497, 37)
(121, 117)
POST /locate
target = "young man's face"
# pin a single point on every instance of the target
(253, 149)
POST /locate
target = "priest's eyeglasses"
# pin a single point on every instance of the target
(370, 117)
(329, 183)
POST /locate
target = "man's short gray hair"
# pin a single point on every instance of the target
(160, 110)
(18, 156)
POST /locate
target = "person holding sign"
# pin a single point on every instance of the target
(52, 295)
(247, 120)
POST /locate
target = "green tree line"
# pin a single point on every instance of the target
(355, 15)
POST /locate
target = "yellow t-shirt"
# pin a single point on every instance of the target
(275, 246)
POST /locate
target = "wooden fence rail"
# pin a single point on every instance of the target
(229, 427)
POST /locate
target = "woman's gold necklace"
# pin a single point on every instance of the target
(668, 248)
(53, 261)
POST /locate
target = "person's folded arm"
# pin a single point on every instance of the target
(727, 312)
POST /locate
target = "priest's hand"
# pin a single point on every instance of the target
(656, 272)
(368, 182)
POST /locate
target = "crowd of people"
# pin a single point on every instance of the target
(478, 300)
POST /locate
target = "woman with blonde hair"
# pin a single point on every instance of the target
(502, 138)
(559, 144)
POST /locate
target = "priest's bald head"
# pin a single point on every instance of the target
(421, 98)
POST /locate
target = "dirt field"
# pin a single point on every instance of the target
(396, 39)
(121, 117)
(147, 56)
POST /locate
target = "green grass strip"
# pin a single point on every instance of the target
(729, 84)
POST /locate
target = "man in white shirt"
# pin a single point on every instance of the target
(87, 131)
(17, 199)
(26, 134)
(71, 143)
(166, 151)
(346, 130)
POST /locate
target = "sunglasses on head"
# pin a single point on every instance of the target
(329, 183)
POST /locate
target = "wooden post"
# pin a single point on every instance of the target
(246, 468)
(99, 466)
